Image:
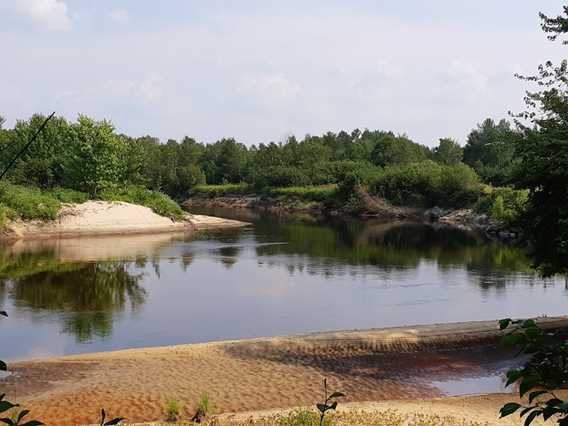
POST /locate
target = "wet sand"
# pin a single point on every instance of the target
(404, 363)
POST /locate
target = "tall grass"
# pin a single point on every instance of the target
(224, 189)
(159, 202)
(28, 203)
(311, 193)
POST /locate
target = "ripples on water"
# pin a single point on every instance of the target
(280, 276)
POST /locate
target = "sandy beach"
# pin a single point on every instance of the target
(396, 364)
(109, 218)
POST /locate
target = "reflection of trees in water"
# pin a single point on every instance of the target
(358, 247)
(86, 296)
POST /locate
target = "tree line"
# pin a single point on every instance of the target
(90, 156)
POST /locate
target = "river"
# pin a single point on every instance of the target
(279, 276)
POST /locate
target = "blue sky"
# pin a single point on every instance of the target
(262, 70)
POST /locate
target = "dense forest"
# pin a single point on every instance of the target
(90, 157)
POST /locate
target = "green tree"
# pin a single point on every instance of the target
(97, 156)
(490, 151)
(42, 164)
(391, 150)
(543, 158)
(448, 152)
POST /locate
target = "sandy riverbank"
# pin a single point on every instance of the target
(404, 364)
(104, 218)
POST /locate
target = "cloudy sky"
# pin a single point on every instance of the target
(260, 70)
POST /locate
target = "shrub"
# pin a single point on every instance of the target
(312, 193)
(506, 204)
(66, 195)
(218, 190)
(427, 184)
(29, 203)
(276, 176)
(159, 203)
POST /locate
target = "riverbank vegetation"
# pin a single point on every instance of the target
(88, 159)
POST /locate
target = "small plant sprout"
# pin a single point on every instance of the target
(329, 403)
(203, 408)
(173, 408)
(112, 422)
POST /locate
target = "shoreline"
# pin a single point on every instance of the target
(400, 363)
(103, 218)
(375, 209)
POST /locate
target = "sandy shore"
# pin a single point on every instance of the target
(104, 218)
(402, 364)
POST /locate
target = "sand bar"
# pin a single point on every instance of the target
(268, 373)
(104, 218)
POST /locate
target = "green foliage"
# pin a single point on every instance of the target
(204, 404)
(225, 189)
(427, 184)
(173, 408)
(448, 152)
(544, 372)
(66, 195)
(543, 155)
(506, 204)
(329, 403)
(159, 203)
(392, 150)
(96, 158)
(490, 151)
(312, 193)
(42, 164)
(28, 203)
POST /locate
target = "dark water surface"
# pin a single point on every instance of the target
(277, 277)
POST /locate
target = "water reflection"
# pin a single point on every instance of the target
(281, 276)
(85, 296)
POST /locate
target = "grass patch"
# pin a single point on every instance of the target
(27, 203)
(173, 408)
(360, 418)
(159, 202)
(66, 195)
(218, 190)
(311, 193)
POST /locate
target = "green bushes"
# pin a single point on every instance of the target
(66, 195)
(311, 193)
(218, 190)
(159, 203)
(28, 203)
(506, 204)
(427, 184)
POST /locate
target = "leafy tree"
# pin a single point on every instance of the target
(543, 159)
(390, 150)
(543, 153)
(448, 152)
(42, 164)
(490, 151)
(97, 156)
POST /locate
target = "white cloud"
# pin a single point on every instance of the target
(51, 14)
(151, 88)
(270, 87)
(120, 16)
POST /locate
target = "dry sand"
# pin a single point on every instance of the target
(103, 217)
(376, 365)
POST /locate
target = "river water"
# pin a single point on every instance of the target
(279, 276)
